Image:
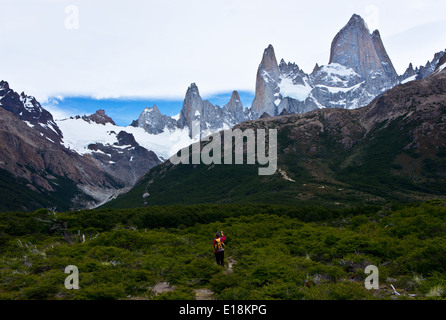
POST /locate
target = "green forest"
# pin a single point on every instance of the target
(273, 252)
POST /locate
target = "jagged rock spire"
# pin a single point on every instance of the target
(266, 84)
(192, 106)
(234, 108)
(386, 63)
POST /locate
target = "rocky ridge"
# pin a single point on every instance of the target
(195, 110)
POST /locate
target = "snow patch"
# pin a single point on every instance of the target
(412, 78)
(29, 123)
(334, 69)
(442, 67)
(267, 77)
(296, 91)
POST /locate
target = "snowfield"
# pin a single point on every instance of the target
(78, 134)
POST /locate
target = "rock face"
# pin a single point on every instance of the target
(359, 69)
(383, 57)
(356, 48)
(268, 77)
(192, 106)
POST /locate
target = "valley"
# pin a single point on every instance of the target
(357, 154)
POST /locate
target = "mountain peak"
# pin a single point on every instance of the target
(384, 58)
(354, 47)
(376, 33)
(268, 76)
(269, 62)
(193, 87)
(99, 117)
(233, 110)
(28, 109)
(356, 22)
(154, 108)
(192, 90)
(235, 96)
(191, 104)
(4, 85)
(268, 49)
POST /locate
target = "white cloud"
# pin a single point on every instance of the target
(372, 17)
(57, 112)
(157, 48)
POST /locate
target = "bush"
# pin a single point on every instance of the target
(180, 293)
(277, 255)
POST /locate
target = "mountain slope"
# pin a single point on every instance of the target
(67, 164)
(29, 110)
(394, 149)
(38, 172)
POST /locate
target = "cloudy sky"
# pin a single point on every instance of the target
(154, 49)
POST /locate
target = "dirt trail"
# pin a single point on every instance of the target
(207, 294)
(231, 262)
(204, 294)
(162, 287)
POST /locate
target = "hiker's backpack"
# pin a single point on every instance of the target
(219, 245)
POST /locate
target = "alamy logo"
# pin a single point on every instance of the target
(372, 281)
(255, 148)
(72, 18)
(72, 281)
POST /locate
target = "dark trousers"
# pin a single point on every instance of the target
(220, 257)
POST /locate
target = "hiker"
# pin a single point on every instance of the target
(219, 247)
